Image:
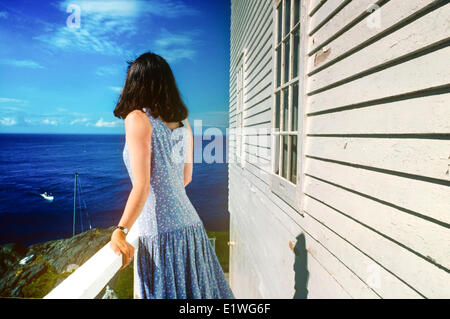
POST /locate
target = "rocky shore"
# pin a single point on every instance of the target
(55, 260)
(51, 262)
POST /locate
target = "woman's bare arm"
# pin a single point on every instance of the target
(188, 164)
(138, 132)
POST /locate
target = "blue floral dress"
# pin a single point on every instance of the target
(174, 258)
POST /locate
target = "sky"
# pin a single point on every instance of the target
(63, 62)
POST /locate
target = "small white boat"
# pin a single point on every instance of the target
(47, 196)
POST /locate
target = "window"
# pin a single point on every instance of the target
(285, 130)
(240, 109)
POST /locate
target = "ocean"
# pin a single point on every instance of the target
(31, 164)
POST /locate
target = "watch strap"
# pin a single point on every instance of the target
(123, 229)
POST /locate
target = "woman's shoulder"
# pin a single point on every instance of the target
(138, 120)
(137, 116)
(186, 124)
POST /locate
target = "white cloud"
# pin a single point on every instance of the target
(132, 8)
(111, 8)
(83, 120)
(103, 23)
(7, 121)
(167, 38)
(8, 108)
(22, 63)
(77, 114)
(168, 8)
(177, 46)
(176, 55)
(49, 122)
(10, 100)
(88, 39)
(109, 70)
(102, 123)
(100, 25)
(115, 89)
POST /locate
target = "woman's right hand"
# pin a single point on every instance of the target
(119, 245)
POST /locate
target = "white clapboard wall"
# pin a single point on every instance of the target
(374, 195)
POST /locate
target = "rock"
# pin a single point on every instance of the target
(16, 292)
(34, 271)
(71, 267)
(109, 293)
(12, 282)
(10, 254)
(55, 259)
(76, 250)
(14, 249)
(2, 285)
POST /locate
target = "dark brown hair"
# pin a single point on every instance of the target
(150, 84)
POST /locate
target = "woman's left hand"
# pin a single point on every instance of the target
(119, 245)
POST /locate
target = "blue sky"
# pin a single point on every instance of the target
(56, 78)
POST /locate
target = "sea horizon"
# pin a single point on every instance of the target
(36, 162)
(223, 129)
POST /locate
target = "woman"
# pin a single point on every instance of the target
(174, 258)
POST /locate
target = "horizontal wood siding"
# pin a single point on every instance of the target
(251, 264)
(374, 189)
(378, 137)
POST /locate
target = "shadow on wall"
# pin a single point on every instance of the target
(301, 268)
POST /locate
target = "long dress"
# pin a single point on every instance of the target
(175, 259)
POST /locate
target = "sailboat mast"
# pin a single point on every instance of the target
(74, 202)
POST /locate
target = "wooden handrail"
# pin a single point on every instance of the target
(90, 278)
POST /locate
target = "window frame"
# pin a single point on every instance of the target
(240, 109)
(290, 192)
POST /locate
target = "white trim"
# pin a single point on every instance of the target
(303, 105)
(90, 278)
(240, 108)
(281, 186)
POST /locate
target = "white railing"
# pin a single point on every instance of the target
(90, 278)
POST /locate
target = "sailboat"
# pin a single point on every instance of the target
(81, 205)
(48, 197)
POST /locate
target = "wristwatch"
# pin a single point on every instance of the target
(123, 229)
